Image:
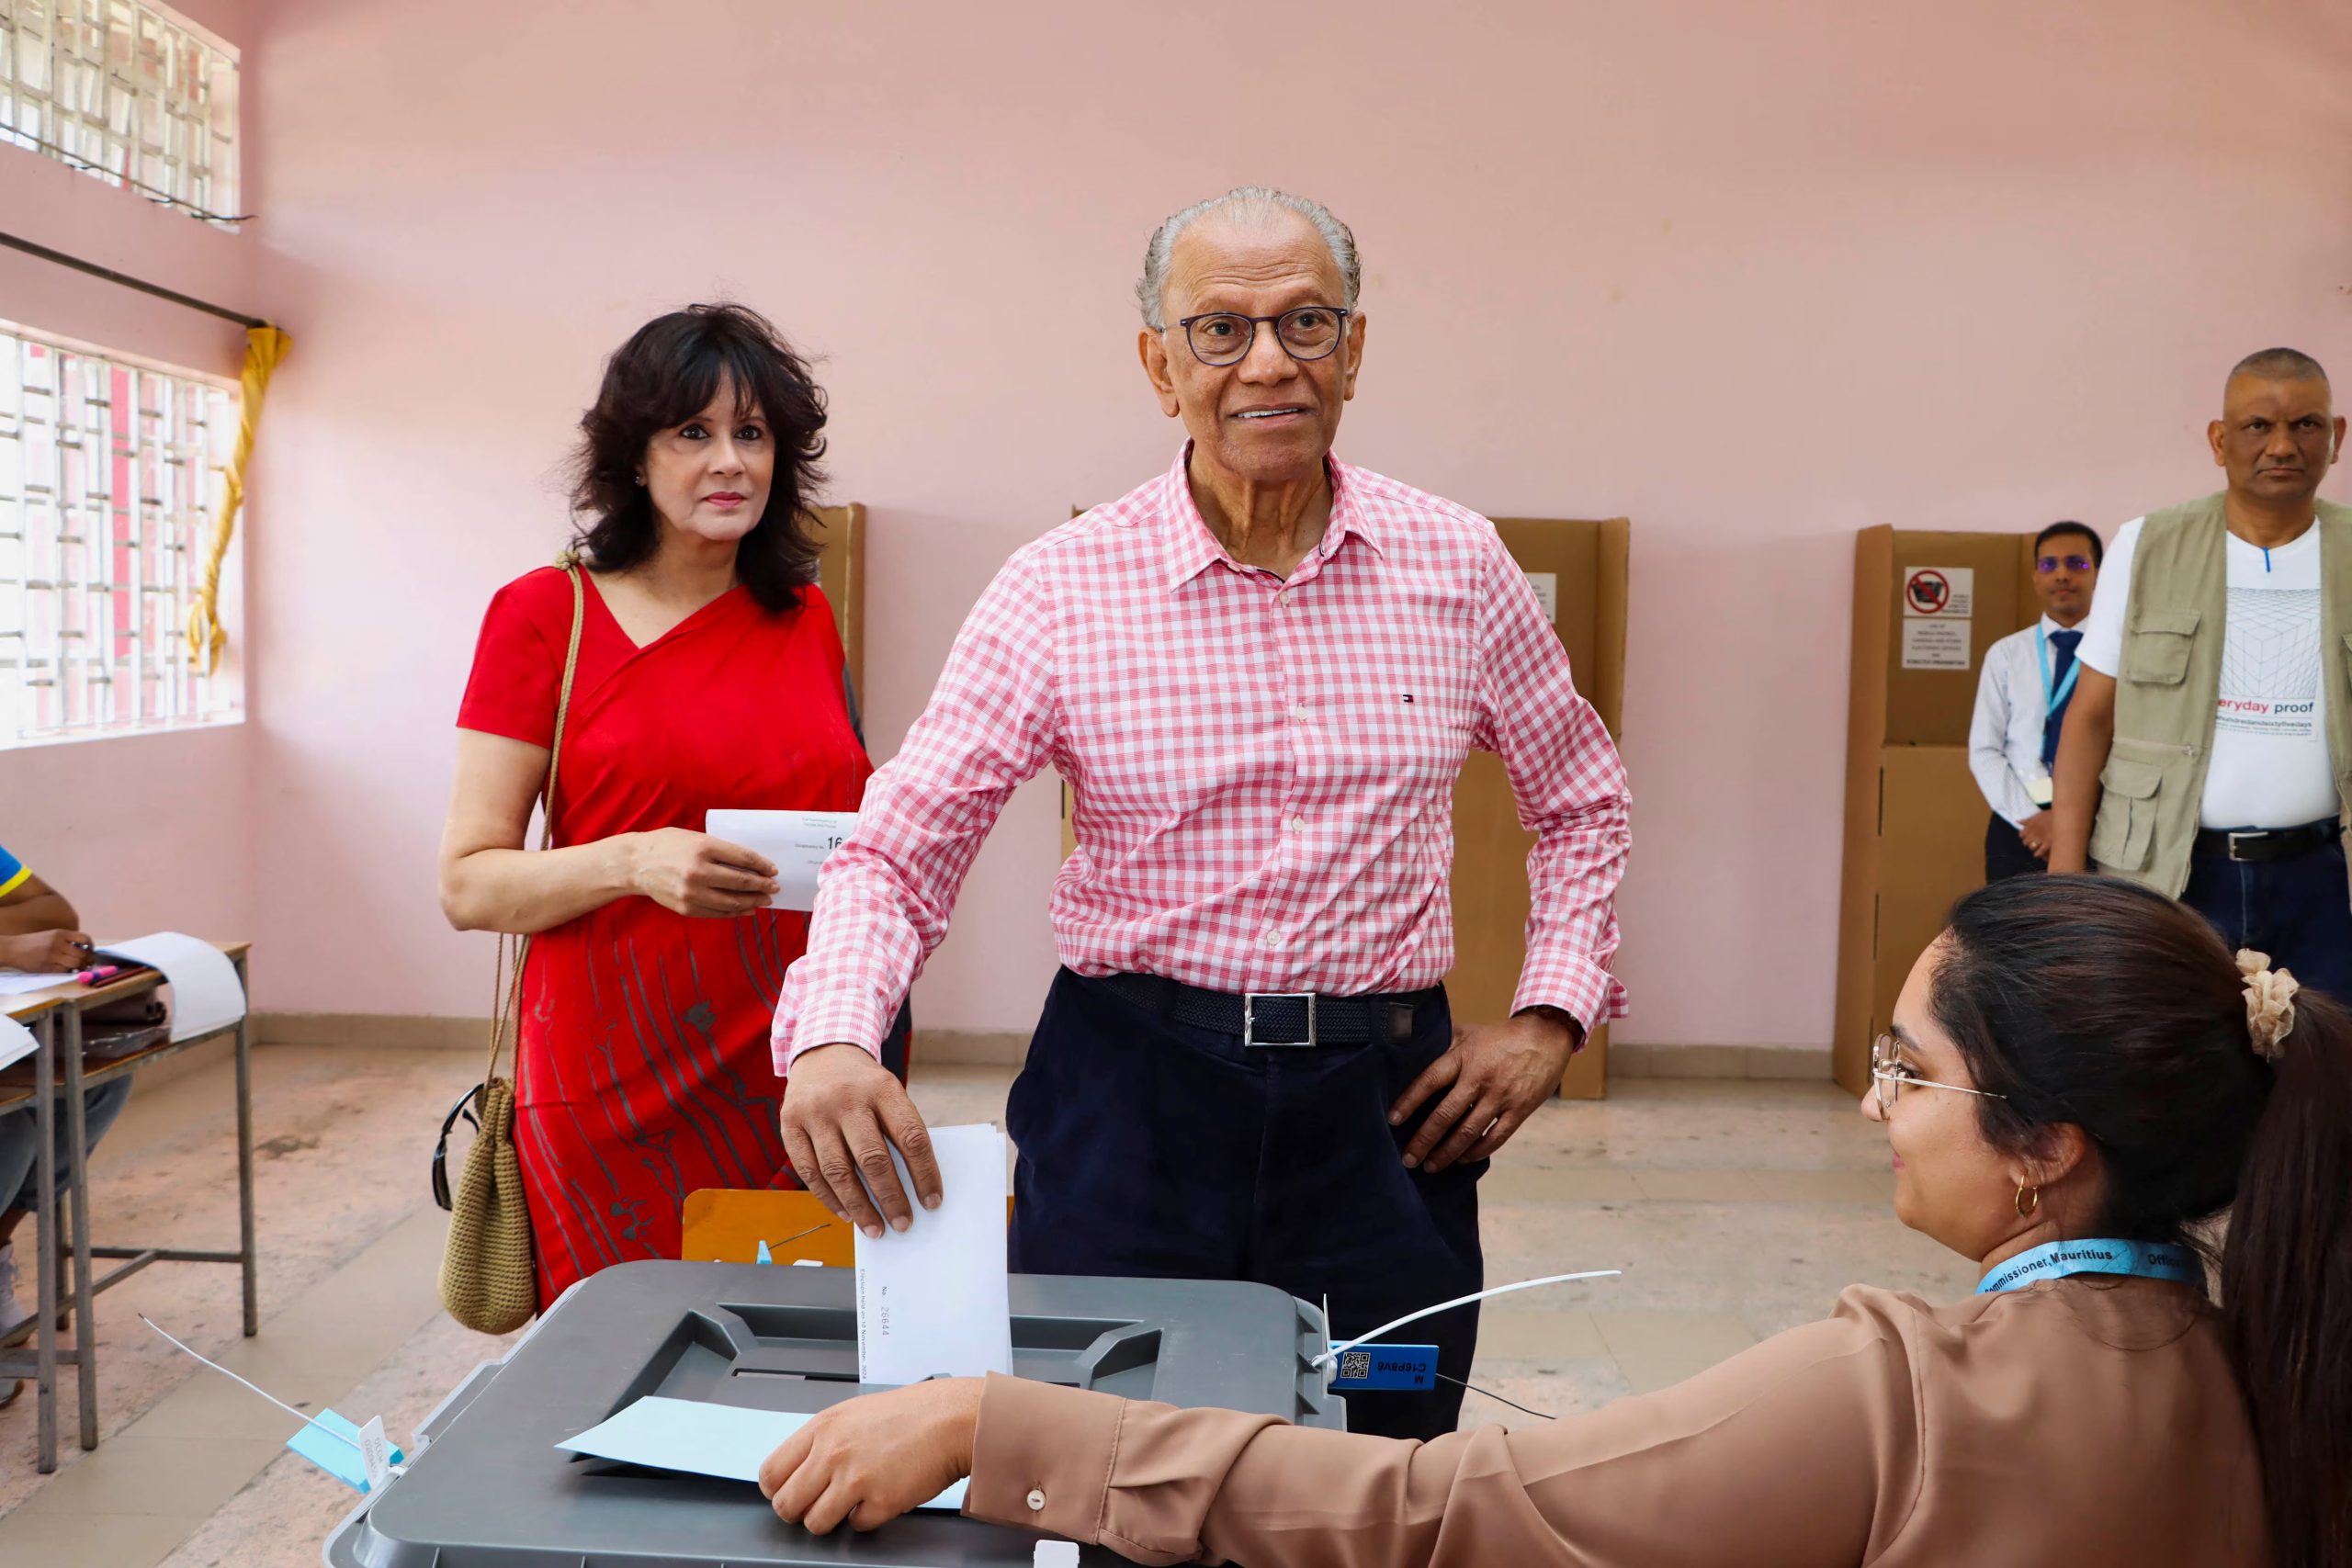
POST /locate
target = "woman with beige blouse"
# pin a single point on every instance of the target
(2079, 1077)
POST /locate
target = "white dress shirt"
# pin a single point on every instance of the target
(2005, 737)
(2270, 766)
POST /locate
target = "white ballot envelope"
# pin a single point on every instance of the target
(797, 841)
(932, 1300)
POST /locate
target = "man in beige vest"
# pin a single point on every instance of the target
(2208, 751)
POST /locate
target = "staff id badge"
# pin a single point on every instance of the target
(2042, 791)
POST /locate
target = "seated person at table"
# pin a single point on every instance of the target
(2079, 1080)
(37, 934)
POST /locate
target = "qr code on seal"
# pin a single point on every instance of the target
(1355, 1365)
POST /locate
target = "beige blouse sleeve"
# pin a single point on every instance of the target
(1803, 1450)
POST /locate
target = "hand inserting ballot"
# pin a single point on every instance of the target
(843, 1113)
(1495, 1075)
(866, 1461)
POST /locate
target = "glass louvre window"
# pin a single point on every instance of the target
(110, 479)
(130, 92)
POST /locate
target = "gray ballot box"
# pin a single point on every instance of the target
(486, 1486)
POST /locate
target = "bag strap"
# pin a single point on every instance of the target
(509, 1000)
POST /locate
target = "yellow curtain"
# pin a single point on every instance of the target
(264, 346)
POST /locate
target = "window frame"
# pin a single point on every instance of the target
(134, 129)
(217, 699)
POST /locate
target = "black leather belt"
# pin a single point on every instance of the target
(2259, 844)
(1277, 1017)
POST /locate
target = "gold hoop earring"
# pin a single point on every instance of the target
(2026, 1211)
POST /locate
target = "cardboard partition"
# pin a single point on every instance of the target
(1927, 607)
(840, 572)
(1933, 847)
(1587, 564)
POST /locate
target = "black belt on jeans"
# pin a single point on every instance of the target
(1277, 1017)
(2259, 845)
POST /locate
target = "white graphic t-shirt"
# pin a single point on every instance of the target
(2269, 766)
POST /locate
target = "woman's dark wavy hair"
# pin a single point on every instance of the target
(2101, 1003)
(664, 375)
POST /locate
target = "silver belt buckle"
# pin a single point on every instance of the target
(2249, 837)
(1250, 1002)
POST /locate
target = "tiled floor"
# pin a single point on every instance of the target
(1736, 1209)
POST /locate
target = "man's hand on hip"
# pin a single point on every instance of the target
(1493, 1077)
(843, 1110)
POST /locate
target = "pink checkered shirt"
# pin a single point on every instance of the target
(1264, 768)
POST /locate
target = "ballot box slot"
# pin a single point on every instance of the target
(765, 1322)
(1069, 1335)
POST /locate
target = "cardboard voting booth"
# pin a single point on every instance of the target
(1928, 606)
(1580, 571)
(840, 572)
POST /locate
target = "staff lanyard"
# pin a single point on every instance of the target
(2052, 697)
(2055, 1260)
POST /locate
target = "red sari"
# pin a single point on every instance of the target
(645, 1069)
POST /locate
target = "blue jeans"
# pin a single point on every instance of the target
(20, 1140)
(2299, 911)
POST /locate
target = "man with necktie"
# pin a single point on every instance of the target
(2021, 700)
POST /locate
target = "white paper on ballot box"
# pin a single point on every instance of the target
(932, 1300)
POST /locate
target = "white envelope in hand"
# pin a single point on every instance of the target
(797, 841)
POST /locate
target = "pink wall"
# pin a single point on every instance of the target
(148, 833)
(1754, 276)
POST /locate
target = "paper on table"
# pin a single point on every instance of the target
(932, 1299)
(17, 1042)
(206, 994)
(12, 983)
(797, 841)
(725, 1441)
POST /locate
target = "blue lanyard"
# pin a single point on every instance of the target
(2054, 1260)
(2051, 699)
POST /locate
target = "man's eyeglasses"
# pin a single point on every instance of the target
(2048, 564)
(1889, 1076)
(1224, 337)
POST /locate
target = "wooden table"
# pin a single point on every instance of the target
(54, 1017)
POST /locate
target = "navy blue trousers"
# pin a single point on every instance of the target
(1151, 1148)
(2297, 911)
(2004, 851)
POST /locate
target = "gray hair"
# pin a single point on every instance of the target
(2280, 364)
(1255, 201)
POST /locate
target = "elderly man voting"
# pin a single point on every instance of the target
(1261, 672)
(2208, 751)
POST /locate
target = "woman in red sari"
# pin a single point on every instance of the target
(709, 674)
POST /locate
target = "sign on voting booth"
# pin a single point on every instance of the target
(1928, 606)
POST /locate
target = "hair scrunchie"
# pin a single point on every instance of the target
(2269, 1003)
